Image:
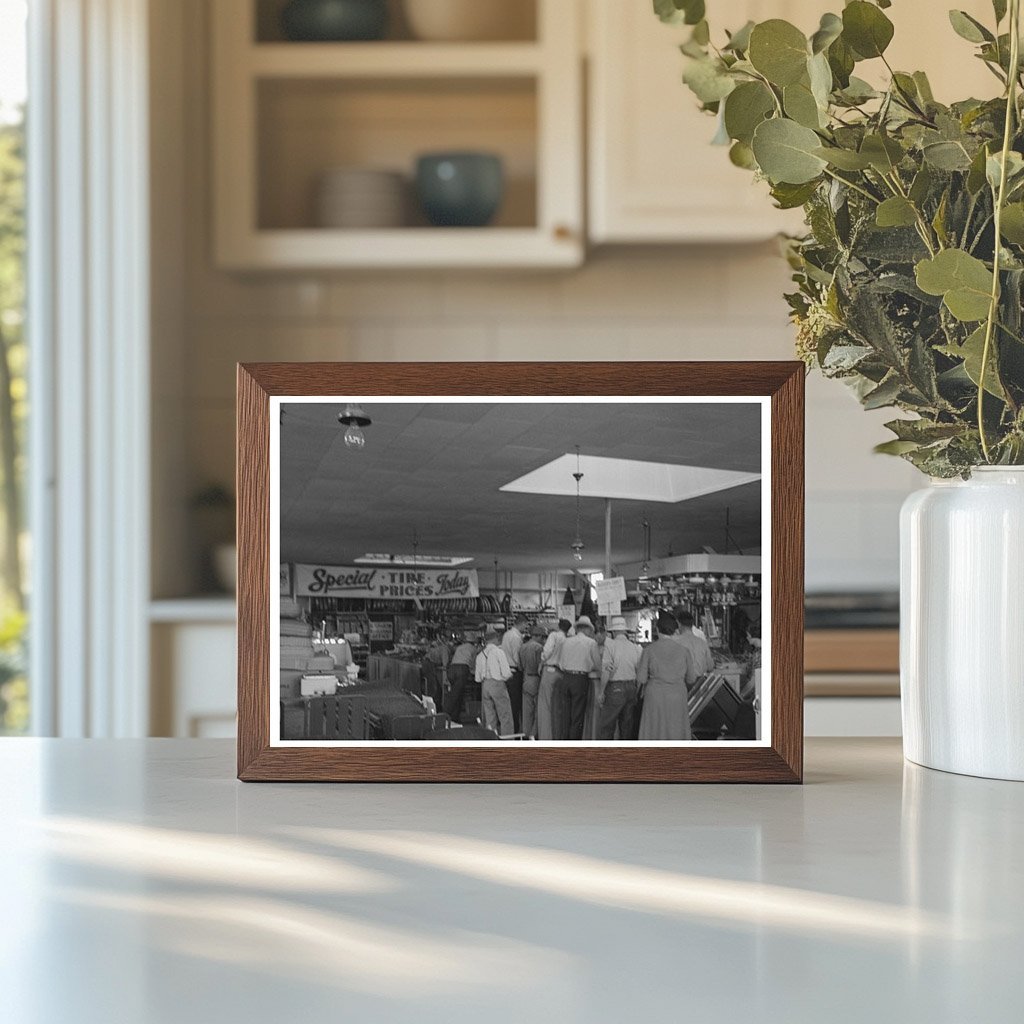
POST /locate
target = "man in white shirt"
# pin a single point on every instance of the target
(511, 643)
(617, 695)
(579, 661)
(550, 677)
(492, 673)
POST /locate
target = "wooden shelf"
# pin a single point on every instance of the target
(400, 247)
(852, 650)
(393, 60)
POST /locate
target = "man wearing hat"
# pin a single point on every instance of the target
(492, 673)
(529, 661)
(579, 661)
(617, 694)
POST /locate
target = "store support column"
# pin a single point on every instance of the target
(607, 538)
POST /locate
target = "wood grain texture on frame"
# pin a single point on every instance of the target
(782, 761)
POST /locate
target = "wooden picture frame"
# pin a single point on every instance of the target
(779, 759)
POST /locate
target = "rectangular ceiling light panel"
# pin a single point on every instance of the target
(627, 479)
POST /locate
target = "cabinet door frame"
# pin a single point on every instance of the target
(617, 211)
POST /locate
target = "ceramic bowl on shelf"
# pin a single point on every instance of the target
(470, 20)
(331, 21)
(460, 189)
(361, 198)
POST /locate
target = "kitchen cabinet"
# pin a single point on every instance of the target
(287, 113)
(653, 175)
(192, 653)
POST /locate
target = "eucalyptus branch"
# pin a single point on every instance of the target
(850, 184)
(981, 231)
(923, 227)
(1000, 200)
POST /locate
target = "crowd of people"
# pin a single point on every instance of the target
(577, 681)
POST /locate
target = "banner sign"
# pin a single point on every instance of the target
(355, 581)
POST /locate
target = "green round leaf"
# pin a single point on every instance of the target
(866, 29)
(844, 159)
(708, 81)
(800, 105)
(743, 156)
(947, 156)
(896, 212)
(968, 28)
(747, 106)
(1012, 226)
(785, 152)
(972, 352)
(882, 152)
(962, 280)
(740, 39)
(830, 30)
(778, 50)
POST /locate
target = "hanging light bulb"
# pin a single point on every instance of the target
(577, 543)
(354, 418)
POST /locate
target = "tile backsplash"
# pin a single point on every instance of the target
(644, 304)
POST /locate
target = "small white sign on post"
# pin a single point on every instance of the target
(567, 611)
(610, 590)
(609, 609)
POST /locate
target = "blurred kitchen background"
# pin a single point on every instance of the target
(286, 222)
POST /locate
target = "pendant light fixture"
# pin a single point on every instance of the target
(354, 417)
(645, 568)
(577, 544)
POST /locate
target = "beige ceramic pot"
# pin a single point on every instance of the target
(470, 20)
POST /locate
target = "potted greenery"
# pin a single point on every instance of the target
(909, 285)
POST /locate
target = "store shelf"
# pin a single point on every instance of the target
(392, 60)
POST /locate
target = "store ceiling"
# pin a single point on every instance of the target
(437, 470)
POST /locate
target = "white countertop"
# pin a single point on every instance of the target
(143, 885)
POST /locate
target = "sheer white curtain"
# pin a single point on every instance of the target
(89, 343)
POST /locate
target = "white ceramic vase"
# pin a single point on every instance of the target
(962, 624)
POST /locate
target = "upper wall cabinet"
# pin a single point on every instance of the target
(316, 142)
(654, 175)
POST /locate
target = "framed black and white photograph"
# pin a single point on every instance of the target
(521, 571)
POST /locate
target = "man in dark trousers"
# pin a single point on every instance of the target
(511, 644)
(579, 661)
(530, 655)
(460, 671)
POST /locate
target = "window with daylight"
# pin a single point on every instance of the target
(14, 548)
